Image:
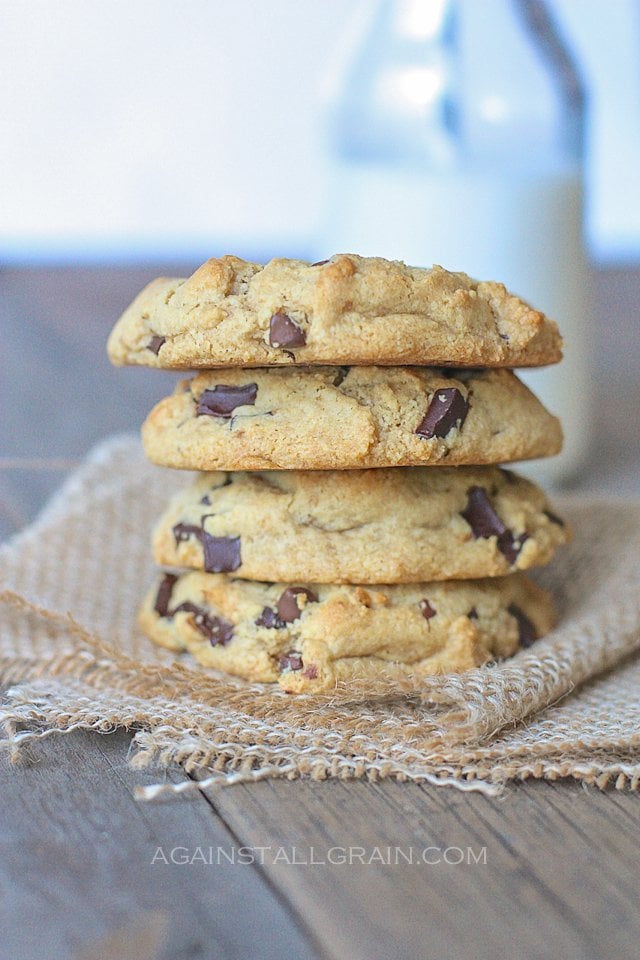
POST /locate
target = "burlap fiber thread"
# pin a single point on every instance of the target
(72, 657)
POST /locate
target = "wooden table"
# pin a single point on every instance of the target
(281, 869)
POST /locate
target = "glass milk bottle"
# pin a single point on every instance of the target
(457, 135)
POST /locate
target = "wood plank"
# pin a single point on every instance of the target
(560, 877)
(77, 876)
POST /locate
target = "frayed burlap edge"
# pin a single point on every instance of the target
(93, 687)
(445, 730)
(37, 710)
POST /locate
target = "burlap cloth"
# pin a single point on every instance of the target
(71, 657)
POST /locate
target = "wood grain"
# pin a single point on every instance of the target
(77, 867)
(560, 877)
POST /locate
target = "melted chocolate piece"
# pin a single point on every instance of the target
(288, 609)
(221, 554)
(311, 673)
(182, 532)
(427, 610)
(485, 523)
(217, 631)
(270, 619)
(527, 633)
(481, 516)
(223, 399)
(283, 332)
(448, 408)
(511, 546)
(163, 598)
(290, 661)
(155, 343)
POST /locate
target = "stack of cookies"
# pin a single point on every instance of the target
(350, 519)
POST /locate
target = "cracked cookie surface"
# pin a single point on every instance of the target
(347, 310)
(309, 637)
(403, 525)
(325, 418)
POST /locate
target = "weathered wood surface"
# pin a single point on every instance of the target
(548, 870)
(83, 862)
(321, 869)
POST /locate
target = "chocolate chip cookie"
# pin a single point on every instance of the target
(346, 310)
(404, 525)
(328, 418)
(308, 637)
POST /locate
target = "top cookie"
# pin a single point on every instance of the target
(346, 310)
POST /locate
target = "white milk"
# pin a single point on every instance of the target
(524, 231)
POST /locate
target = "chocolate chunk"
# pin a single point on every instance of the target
(427, 609)
(163, 598)
(311, 673)
(221, 554)
(288, 609)
(270, 619)
(511, 546)
(290, 661)
(217, 631)
(155, 343)
(473, 614)
(554, 518)
(319, 263)
(527, 633)
(341, 374)
(485, 523)
(206, 500)
(283, 332)
(448, 408)
(182, 532)
(481, 516)
(504, 336)
(223, 399)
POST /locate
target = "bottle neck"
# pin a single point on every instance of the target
(552, 49)
(460, 85)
